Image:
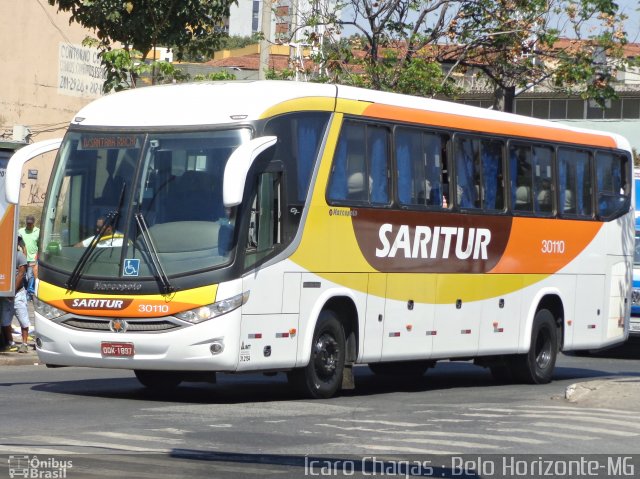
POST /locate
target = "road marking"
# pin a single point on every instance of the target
(411, 450)
(135, 437)
(27, 449)
(171, 430)
(384, 423)
(575, 427)
(65, 441)
(491, 409)
(477, 414)
(597, 420)
(440, 442)
(543, 433)
(441, 434)
(574, 408)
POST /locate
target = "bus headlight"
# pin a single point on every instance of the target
(203, 313)
(46, 310)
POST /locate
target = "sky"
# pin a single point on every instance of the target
(630, 8)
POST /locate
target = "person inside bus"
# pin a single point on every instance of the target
(110, 239)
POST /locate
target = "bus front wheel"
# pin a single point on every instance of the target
(158, 379)
(322, 377)
(536, 367)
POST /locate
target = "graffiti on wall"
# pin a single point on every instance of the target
(36, 192)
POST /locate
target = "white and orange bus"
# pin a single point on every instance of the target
(307, 228)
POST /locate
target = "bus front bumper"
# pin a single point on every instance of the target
(209, 346)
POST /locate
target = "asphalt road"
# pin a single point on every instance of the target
(253, 426)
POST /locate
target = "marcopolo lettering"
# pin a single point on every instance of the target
(439, 242)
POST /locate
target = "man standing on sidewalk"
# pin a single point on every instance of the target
(18, 306)
(31, 236)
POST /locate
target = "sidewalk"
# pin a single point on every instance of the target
(610, 393)
(20, 359)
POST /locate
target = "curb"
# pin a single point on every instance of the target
(620, 392)
(18, 359)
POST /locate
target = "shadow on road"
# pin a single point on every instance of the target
(628, 350)
(256, 388)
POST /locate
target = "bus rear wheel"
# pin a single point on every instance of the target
(158, 380)
(536, 367)
(322, 377)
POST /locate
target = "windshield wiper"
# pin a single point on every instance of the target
(111, 220)
(160, 275)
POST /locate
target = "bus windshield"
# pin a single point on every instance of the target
(159, 194)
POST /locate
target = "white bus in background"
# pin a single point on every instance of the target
(306, 228)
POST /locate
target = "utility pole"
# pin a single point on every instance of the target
(264, 43)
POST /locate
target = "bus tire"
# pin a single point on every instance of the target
(401, 369)
(322, 377)
(536, 366)
(158, 380)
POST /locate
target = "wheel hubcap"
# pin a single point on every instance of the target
(326, 356)
(543, 349)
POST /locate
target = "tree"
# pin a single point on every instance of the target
(516, 44)
(513, 44)
(392, 35)
(190, 26)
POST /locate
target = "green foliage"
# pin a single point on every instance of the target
(285, 74)
(190, 26)
(166, 72)
(515, 44)
(122, 69)
(215, 76)
(392, 34)
(229, 43)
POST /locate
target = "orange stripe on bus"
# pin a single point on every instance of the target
(485, 125)
(7, 270)
(532, 248)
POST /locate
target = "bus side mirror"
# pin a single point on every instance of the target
(235, 173)
(19, 158)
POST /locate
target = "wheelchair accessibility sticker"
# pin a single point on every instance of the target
(131, 267)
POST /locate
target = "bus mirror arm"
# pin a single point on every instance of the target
(237, 168)
(17, 161)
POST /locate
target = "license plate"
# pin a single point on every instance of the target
(634, 326)
(121, 350)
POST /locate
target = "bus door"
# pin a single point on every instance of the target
(269, 330)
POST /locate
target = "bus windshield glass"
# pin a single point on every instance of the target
(160, 195)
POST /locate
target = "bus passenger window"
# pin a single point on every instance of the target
(419, 166)
(574, 182)
(360, 170)
(542, 181)
(521, 178)
(614, 189)
(479, 173)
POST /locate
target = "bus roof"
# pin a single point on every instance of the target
(211, 103)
